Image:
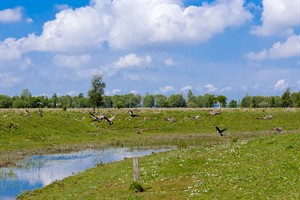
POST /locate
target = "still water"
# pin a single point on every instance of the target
(41, 170)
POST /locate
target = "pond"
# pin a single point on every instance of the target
(41, 170)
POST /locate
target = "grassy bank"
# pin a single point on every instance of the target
(262, 168)
(60, 131)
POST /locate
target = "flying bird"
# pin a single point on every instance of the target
(220, 131)
(98, 118)
(110, 120)
(131, 113)
(214, 112)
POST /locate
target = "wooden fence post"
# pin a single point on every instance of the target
(136, 169)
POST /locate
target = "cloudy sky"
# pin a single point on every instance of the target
(228, 47)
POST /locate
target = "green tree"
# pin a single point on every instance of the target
(222, 100)
(296, 99)
(246, 102)
(208, 100)
(148, 101)
(286, 98)
(5, 101)
(161, 101)
(232, 104)
(96, 91)
(176, 101)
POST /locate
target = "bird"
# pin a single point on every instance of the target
(171, 119)
(214, 112)
(109, 120)
(98, 118)
(27, 113)
(268, 117)
(40, 112)
(220, 131)
(195, 117)
(277, 129)
(131, 113)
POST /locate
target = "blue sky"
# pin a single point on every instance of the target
(228, 47)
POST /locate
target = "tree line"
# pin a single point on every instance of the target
(96, 98)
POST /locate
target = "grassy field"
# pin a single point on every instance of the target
(251, 160)
(61, 131)
(264, 168)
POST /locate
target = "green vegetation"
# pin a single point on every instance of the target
(264, 168)
(251, 160)
(96, 98)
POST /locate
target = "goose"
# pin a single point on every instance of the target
(277, 129)
(268, 117)
(171, 119)
(214, 112)
(40, 112)
(131, 113)
(27, 113)
(98, 118)
(195, 117)
(109, 120)
(220, 131)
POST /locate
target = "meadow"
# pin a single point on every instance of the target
(251, 160)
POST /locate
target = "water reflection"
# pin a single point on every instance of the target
(39, 171)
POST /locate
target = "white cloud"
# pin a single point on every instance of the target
(29, 20)
(9, 80)
(133, 92)
(62, 6)
(289, 48)
(129, 61)
(71, 61)
(9, 49)
(185, 88)
(278, 17)
(226, 89)
(115, 23)
(210, 87)
(11, 15)
(166, 89)
(281, 84)
(170, 62)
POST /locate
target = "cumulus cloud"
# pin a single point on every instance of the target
(170, 62)
(166, 89)
(11, 15)
(8, 80)
(129, 61)
(210, 87)
(185, 88)
(115, 23)
(71, 61)
(286, 49)
(278, 17)
(281, 84)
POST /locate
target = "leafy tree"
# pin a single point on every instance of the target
(148, 101)
(232, 104)
(108, 102)
(176, 101)
(286, 98)
(25, 94)
(161, 101)
(222, 100)
(296, 99)
(5, 101)
(246, 102)
(208, 100)
(96, 91)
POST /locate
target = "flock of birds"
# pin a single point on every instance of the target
(109, 120)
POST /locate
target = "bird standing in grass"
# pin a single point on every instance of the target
(220, 131)
(277, 129)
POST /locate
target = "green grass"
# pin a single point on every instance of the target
(60, 131)
(264, 168)
(250, 162)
